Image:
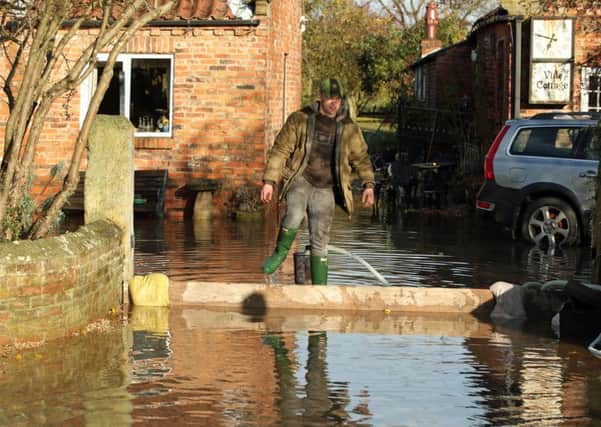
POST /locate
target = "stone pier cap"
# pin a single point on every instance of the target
(249, 296)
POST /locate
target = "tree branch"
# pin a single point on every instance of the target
(17, 123)
(41, 227)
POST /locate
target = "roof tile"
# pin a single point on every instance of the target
(203, 9)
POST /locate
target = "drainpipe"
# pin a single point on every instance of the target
(284, 89)
(517, 75)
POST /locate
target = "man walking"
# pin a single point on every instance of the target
(312, 159)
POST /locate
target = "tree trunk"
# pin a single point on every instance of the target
(352, 106)
(37, 48)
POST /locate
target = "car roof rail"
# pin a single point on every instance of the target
(567, 115)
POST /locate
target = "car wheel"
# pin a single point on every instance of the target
(550, 221)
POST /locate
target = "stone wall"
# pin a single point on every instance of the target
(284, 66)
(51, 287)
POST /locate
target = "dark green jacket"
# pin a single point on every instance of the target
(290, 153)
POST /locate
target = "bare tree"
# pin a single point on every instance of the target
(34, 35)
(409, 12)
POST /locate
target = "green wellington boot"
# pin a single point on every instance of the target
(285, 238)
(319, 270)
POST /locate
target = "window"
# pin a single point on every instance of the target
(552, 142)
(141, 90)
(420, 83)
(590, 98)
(590, 146)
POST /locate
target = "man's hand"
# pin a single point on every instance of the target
(368, 197)
(266, 193)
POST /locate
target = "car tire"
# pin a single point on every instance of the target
(550, 221)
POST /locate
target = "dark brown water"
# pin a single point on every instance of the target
(192, 366)
(423, 249)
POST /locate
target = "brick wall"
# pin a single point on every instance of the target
(587, 53)
(53, 286)
(489, 81)
(284, 64)
(228, 102)
(492, 80)
(453, 76)
(219, 111)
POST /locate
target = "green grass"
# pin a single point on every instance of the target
(379, 137)
(374, 124)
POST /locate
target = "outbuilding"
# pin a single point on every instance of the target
(513, 64)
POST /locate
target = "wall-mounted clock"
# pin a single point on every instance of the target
(552, 38)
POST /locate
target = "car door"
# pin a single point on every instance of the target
(543, 155)
(587, 159)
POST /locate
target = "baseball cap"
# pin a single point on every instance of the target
(331, 88)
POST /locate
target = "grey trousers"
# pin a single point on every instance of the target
(318, 204)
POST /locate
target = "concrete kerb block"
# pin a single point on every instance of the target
(249, 296)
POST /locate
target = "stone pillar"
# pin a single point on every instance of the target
(109, 184)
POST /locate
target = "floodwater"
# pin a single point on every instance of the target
(193, 366)
(423, 248)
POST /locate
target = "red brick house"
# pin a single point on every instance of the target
(206, 91)
(510, 66)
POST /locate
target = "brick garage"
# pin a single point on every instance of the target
(233, 82)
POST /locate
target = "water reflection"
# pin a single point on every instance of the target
(424, 249)
(216, 250)
(191, 366)
(78, 381)
(319, 401)
(410, 369)
(203, 367)
(524, 379)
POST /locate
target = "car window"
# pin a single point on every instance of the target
(590, 145)
(547, 141)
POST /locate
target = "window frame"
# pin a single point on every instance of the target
(585, 73)
(420, 83)
(576, 151)
(125, 59)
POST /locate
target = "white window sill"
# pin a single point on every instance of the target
(153, 134)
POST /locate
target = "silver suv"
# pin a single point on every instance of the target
(540, 175)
